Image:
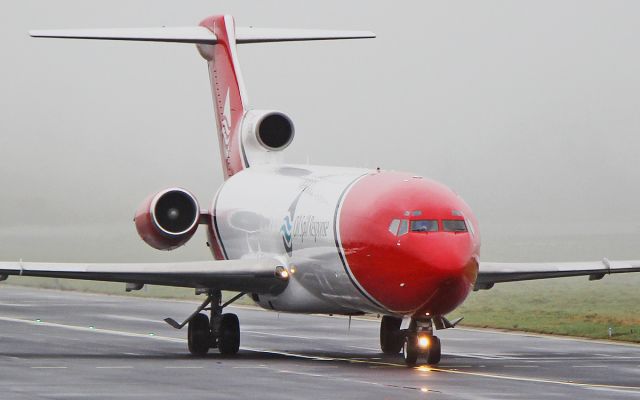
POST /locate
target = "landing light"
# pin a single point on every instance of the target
(282, 273)
(423, 342)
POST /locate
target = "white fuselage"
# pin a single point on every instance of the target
(292, 212)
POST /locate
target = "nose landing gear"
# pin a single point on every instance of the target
(221, 331)
(416, 341)
(419, 341)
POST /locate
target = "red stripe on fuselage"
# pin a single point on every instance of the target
(419, 272)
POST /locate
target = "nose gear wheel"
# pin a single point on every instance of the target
(412, 351)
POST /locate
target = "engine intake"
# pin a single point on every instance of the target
(168, 219)
(274, 130)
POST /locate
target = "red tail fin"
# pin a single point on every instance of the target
(229, 96)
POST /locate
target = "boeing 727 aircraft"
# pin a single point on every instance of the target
(300, 238)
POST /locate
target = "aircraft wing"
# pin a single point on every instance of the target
(265, 275)
(491, 273)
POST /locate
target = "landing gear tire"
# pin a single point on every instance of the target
(410, 350)
(229, 334)
(221, 331)
(433, 356)
(199, 335)
(390, 337)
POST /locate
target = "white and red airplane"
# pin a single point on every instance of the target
(306, 239)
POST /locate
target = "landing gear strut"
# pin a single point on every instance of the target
(419, 340)
(221, 331)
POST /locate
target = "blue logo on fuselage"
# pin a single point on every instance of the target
(287, 225)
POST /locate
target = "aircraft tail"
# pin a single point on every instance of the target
(216, 39)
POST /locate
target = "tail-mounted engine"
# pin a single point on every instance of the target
(265, 134)
(168, 219)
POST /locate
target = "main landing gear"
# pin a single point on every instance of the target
(391, 338)
(416, 341)
(221, 331)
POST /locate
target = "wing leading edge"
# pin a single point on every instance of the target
(261, 276)
(491, 273)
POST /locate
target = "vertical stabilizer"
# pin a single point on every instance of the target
(227, 87)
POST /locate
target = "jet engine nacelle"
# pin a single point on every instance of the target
(268, 130)
(168, 219)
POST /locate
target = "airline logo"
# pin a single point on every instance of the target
(287, 225)
(301, 226)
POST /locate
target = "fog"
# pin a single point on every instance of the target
(529, 110)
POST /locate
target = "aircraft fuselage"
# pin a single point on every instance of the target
(334, 229)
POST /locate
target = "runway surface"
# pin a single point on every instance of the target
(65, 345)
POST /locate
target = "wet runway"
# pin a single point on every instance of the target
(64, 345)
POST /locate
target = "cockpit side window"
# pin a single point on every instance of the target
(424, 225)
(470, 227)
(404, 227)
(454, 225)
(393, 226)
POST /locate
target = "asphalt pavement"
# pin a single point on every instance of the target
(67, 345)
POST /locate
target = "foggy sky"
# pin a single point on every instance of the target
(529, 110)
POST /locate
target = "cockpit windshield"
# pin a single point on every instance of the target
(454, 225)
(424, 225)
(399, 227)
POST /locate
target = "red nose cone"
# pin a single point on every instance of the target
(409, 271)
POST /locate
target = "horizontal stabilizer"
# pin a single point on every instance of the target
(201, 35)
(264, 35)
(189, 34)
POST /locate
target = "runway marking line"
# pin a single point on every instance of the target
(354, 318)
(321, 358)
(284, 371)
(128, 318)
(288, 336)
(362, 348)
(360, 381)
(548, 336)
